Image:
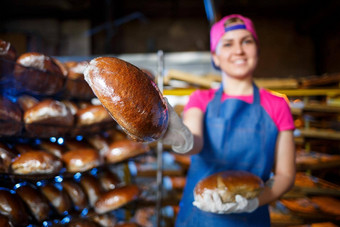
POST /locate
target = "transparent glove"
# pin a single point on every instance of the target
(177, 135)
(212, 202)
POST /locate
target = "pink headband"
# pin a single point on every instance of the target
(218, 29)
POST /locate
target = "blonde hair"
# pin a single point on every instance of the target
(233, 20)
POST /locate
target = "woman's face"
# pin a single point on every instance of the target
(236, 54)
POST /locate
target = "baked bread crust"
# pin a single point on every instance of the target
(231, 183)
(124, 149)
(130, 96)
(116, 198)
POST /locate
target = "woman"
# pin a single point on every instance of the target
(236, 127)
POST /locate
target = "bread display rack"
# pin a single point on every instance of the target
(66, 168)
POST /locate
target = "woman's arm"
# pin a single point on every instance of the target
(193, 119)
(284, 169)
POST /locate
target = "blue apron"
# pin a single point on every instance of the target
(237, 136)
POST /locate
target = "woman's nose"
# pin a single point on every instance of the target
(238, 48)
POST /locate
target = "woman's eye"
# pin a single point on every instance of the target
(226, 44)
(248, 41)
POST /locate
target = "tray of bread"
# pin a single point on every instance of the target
(27, 116)
(45, 158)
(306, 184)
(316, 160)
(314, 207)
(41, 75)
(99, 198)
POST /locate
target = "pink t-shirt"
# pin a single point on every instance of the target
(275, 104)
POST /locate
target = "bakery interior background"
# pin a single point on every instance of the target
(298, 38)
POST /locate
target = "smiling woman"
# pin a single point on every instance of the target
(238, 127)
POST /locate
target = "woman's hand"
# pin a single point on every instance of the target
(211, 202)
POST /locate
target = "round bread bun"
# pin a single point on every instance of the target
(92, 188)
(109, 180)
(26, 101)
(76, 86)
(6, 157)
(76, 193)
(8, 57)
(124, 149)
(5, 221)
(57, 197)
(116, 198)
(39, 74)
(52, 148)
(230, 183)
(10, 117)
(104, 220)
(48, 118)
(13, 207)
(36, 162)
(81, 160)
(35, 201)
(93, 114)
(130, 96)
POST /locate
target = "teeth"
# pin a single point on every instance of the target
(239, 61)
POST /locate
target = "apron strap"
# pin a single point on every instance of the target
(216, 101)
(256, 95)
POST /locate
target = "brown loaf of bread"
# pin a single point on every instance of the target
(92, 114)
(76, 193)
(116, 198)
(8, 57)
(48, 118)
(81, 160)
(39, 74)
(6, 157)
(92, 187)
(57, 197)
(26, 101)
(124, 149)
(5, 221)
(35, 201)
(231, 183)
(36, 162)
(52, 148)
(13, 207)
(10, 117)
(131, 97)
(109, 180)
(76, 86)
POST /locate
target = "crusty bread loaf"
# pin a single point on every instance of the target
(116, 198)
(231, 183)
(10, 117)
(35, 201)
(124, 149)
(36, 162)
(76, 193)
(130, 96)
(92, 187)
(39, 74)
(13, 207)
(48, 118)
(76, 86)
(93, 114)
(81, 160)
(8, 57)
(6, 156)
(57, 197)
